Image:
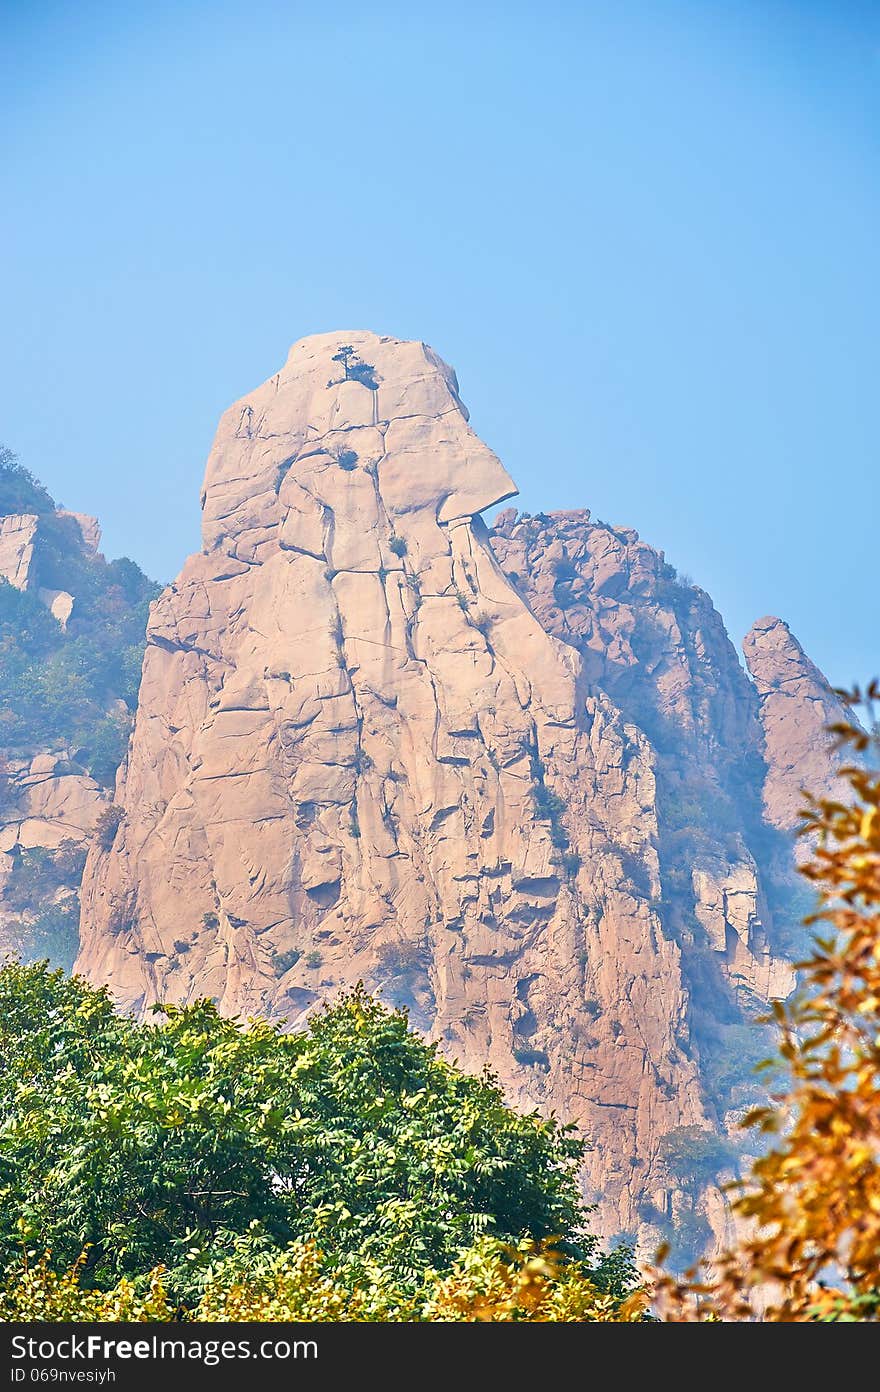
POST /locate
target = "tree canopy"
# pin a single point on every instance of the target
(169, 1143)
(20, 492)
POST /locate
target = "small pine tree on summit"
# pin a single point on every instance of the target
(353, 369)
(344, 356)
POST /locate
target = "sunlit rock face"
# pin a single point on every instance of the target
(376, 741)
(796, 708)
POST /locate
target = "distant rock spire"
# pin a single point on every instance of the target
(796, 705)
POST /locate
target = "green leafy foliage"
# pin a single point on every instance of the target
(401, 958)
(107, 826)
(686, 1238)
(283, 961)
(569, 863)
(354, 370)
(400, 969)
(548, 805)
(694, 1156)
(39, 871)
(20, 492)
(53, 931)
(365, 373)
(731, 1059)
(170, 1142)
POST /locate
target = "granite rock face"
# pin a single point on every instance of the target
(49, 807)
(656, 645)
(796, 707)
(18, 540)
(17, 534)
(511, 779)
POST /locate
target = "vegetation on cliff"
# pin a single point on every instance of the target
(68, 690)
(73, 687)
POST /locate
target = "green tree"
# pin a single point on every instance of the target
(344, 355)
(694, 1156)
(20, 492)
(354, 370)
(163, 1143)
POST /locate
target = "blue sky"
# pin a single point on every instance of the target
(644, 231)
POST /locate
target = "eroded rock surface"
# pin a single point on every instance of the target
(49, 807)
(17, 534)
(511, 779)
(657, 646)
(796, 707)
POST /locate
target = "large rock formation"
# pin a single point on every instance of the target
(20, 535)
(511, 779)
(17, 534)
(657, 646)
(796, 708)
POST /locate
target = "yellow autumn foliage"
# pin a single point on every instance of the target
(492, 1282)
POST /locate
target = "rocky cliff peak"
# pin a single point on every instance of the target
(368, 422)
(512, 779)
(796, 706)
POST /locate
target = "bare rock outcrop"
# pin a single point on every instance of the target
(359, 754)
(58, 602)
(510, 778)
(796, 707)
(17, 535)
(49, 807)
(656, 645)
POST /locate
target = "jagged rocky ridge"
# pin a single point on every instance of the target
(510, 778)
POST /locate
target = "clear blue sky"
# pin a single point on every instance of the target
(645, 232)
